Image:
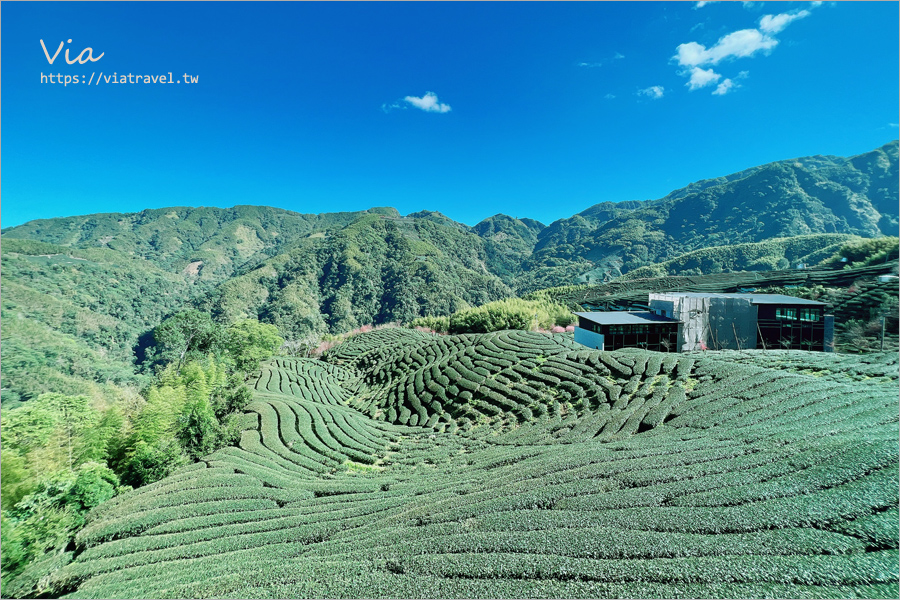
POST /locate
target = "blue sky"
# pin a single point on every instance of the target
(530, 109)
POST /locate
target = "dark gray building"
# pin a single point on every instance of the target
(697, 321)
(627, 329)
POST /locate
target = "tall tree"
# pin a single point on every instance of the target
(187, 334)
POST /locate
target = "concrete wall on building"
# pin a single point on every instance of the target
(709, 322)
(662, 306)
(589, 338)
(692, 311)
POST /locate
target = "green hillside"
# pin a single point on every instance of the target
(797, 197)
(209, 243)
(805, 196)
(770, 255)
(71, 317)
(379, 269)
(514, 464)
(485, 463)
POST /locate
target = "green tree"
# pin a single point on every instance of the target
(18, 480)
(73, 416)
(55, 431)
(296, 311)
(94, 484)
(231, 397)
(250, 342)
(199, 430)
(187, 334)
(46, 520)
(151, 462)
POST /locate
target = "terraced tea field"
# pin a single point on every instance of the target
(517, 464)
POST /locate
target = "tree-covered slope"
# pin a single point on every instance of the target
(508, 242)
(71, 317)
(813, 195)
(379, 269)
(209, 243)
(542, 470)
(770, 255)
(796, 197)
(74, 314)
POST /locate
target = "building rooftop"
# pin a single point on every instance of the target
(621, 317)
(753, 298)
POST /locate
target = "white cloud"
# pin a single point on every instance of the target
(654, 91)
(609, 96)
(590, 65)
(702, 4)
(429, 103)
(618, 55)
(725, 87)
(772, 24)
(702, 78)
(743, 43)
(738, 44)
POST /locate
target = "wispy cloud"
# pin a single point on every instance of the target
(654, 91)
(743, 43)
(600, 63)
(729, 85)
(772, 24)
(701, 78)
(724, 87)
(429, 103)
(893, 124)
(738, 44)
(702, 4)
(609, 96)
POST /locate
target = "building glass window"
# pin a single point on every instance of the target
(786, 313)
(810, 314)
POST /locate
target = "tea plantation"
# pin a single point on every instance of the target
(517, 464)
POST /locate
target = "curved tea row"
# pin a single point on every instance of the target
(635, 474)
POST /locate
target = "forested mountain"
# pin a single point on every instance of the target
(377, 270)
(819, 194)
(71, 317)
(79, 292)
(74, 316)
(206, 242)
(803, 196)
